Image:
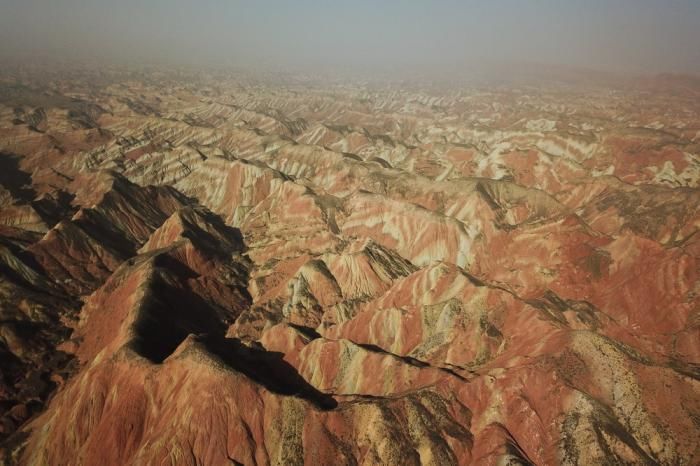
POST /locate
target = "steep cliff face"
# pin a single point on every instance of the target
(301, 274)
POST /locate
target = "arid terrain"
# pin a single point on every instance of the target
(209, 268)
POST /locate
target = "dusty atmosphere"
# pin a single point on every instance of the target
(326, 234)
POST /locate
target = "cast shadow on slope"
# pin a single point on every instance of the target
(268, 369)
(17, 181)
(170, 320)
(51, 208)
(171, 308)
(170, 311)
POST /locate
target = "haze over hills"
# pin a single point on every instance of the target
(637, 36)
(236, 268)
(342, 233)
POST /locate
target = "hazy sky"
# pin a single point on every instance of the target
(621, 35)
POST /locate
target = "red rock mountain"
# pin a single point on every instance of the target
(214, 270)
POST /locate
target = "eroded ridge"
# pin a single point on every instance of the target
(215, 270)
